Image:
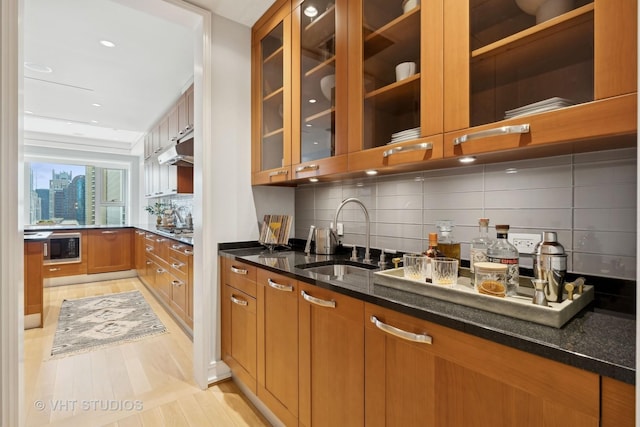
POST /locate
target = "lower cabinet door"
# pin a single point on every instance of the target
(331, 354)
(278, 345)
(239, 343)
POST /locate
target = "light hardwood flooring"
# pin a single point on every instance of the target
(142, 383)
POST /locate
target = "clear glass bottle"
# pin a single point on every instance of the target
(446, 243)
(479, 244)
(432, 251)
(503, 252)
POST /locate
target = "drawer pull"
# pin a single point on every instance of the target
(415, 147)
(317, 301)
(55, 269)
(188, 252)
(239, 270)
(279, 287)
(149, 262)
(109, 232)
(238, 301)
(160, 240)
(149, 249)
(177, 247)
(177, 265)
(279, 172)
(409, 336)
(177, 283)
(307, 168)
(503, 130)
(160, 271)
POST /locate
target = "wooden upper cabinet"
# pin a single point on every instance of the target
(319, 88)
(498, 59)
(190, 105)
(271, 97)
(395, 83)
(110, 250)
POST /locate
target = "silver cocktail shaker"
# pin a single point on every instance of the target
(550, 264)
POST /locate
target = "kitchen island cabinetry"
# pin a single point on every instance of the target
(76, 268)
(585, 57)
(238, 309)
(421, 373)
(110, 250)
(33, 284)
(331, 352)
(278, 344)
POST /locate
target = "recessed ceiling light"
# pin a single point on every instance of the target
(371, 172)
(40, 68)
(313, 180)
(313, 101)
(95, 104)
(467, 159)
(511, 170)
(107, 43)
(315, 143)
(311, 11)
(308, 125)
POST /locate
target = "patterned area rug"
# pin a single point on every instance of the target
(89, 323)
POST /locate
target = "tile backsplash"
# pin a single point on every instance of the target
(588, 199)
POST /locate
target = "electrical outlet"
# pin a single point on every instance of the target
(524, 243)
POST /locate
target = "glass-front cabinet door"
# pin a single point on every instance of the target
(522, 73)
(319, 95)
(396, 82)
(271, 151)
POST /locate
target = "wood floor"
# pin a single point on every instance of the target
(143, 383)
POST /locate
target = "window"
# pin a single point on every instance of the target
(77, 194)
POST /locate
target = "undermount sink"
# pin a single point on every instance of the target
(338, 268)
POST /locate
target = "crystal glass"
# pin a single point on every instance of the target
(415, 267)
(444, 271)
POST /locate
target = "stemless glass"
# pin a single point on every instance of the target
(444, 271)
(415, 267)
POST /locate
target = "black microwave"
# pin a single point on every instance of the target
(63, 248)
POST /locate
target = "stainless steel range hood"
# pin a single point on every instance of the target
(178, 154)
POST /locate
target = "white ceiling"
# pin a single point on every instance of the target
(135, 82)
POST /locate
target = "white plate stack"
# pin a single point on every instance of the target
(405, 135)
(539, 107)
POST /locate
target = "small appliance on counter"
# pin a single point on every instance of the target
(550, 264)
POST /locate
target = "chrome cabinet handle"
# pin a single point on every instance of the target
(160, 271)
(239, 270)
(177, 265)
(238, 301)
(403, 149)
(279, 287)
(307, 168)
(177, 283)
(409, 336)
(55, 269)
(177, 247)
(149, 262)
(160, 240)
(280, 172)
(317, 301)
(109, 232)
(149, 249)
(503, 130)
(45, 249)
(188, 252)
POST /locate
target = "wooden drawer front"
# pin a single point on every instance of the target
(179, 295)
(240, 276)
(179, 268)
(163, 282)
(60, 270)
(404, 154)
(553, 382)
(179, 250)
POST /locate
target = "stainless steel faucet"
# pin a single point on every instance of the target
(367, 256)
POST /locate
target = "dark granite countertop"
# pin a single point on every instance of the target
(595, 341)
(146, 227)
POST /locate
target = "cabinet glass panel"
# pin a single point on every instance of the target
(528, 51)
(272, 99)
(317, 79)
(391, 54)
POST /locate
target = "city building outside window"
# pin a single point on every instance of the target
(77, 195)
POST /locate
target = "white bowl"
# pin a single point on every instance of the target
(408, 5)
(327, 83)
(545, 9)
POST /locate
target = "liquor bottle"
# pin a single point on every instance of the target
(480, 244)
(446, 242)
(503, 252)
(432, 251)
